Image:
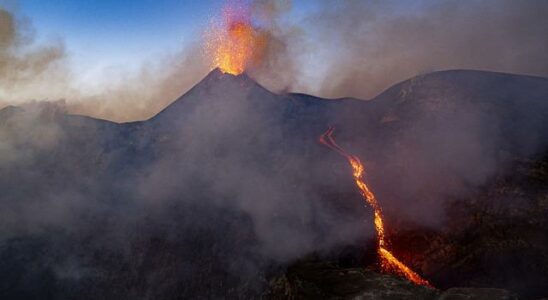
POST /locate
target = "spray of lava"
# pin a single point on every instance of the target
(389, 263)
(233, 43)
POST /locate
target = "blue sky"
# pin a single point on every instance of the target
(337, 48)
(121, 33)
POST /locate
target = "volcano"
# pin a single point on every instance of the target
(227, 190)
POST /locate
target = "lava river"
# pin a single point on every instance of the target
(389, 263)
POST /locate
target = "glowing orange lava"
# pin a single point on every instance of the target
(234, 44)
(389, 263)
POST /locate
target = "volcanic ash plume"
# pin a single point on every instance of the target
(26, 67)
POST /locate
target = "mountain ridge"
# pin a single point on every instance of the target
(216, 75)
(229, 183)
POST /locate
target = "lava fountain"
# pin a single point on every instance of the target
(389, 263)
(233, 43)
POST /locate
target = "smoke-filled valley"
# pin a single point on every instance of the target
(229, 184)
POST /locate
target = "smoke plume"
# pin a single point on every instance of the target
(24, 65)
(380, 45)
(32, 72)
(359, 48)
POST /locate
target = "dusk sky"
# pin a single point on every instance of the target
(118, 32)
(99, 56)
(124, 33)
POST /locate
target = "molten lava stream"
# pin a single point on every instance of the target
(389, 263)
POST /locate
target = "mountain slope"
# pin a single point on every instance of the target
(228, 183)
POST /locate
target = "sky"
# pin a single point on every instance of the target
(100, 34)
(126, 60)
(124, 33)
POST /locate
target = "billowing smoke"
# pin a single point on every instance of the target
(373, 44)
(359, 48)
(278, 69)
(25, 66)
(31, 71)
(219, 186)
(367, 46)
(138, 96)
(391, 43)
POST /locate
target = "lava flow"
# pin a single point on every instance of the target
(389, 263)
(234, 43)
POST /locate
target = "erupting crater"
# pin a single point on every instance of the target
(234, 43)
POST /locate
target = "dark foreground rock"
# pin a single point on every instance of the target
(477, 293)
(320, 280)
(495, 238)
(329, 281)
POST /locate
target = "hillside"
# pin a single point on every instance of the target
(227, 186)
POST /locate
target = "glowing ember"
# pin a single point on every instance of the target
(389, 263)
(234, 44)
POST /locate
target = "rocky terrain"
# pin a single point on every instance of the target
(328, 281)
(226, 193)
(492, 251)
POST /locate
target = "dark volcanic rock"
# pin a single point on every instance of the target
(228, 184)
(322, 280)
(329, 281)
(497, 238)
(476, 293)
